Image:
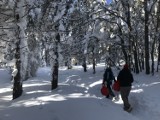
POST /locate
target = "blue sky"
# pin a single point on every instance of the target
(108, 1)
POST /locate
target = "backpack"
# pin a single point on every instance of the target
(104, 90)
(116, 85)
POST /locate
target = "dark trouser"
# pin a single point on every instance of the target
(124, 91)
(110, 91)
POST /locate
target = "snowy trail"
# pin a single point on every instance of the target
(144, 100)
(142, 105)
(142, 110)
(80, 92)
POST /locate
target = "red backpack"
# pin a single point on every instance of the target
(116, 85)
(104, 90)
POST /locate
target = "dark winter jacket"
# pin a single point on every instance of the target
(125, 77)
(108, 76)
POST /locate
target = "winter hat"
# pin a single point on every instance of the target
(125, 66)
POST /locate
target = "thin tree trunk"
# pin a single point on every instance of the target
(152, 57)
(84, 65)
(94, 63)
(123, 47)
(136, 54)
(54, 82)
(158, 62)
(47, 57)
(136, 61)
(17, 84)
(129, 35)
(17, 80)
(143, 61)
(147, 65)
(158, 25)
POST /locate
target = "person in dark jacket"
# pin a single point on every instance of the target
(125, 78)
(108, 77)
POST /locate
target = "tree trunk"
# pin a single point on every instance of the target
(136, 61)
(152, 58)
(17, 85)
(158, 25)
(123, 47)
(47, 57)
(147, 65)
(143, 62)
(158, 62)
(84, 65)
(54, 81)
(129, 34)
(94, 63)
(94, 66)
(69, 64)
(17, 80)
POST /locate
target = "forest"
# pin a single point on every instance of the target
(36, 33)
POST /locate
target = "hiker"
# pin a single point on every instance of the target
(125, 78)
(108, 77)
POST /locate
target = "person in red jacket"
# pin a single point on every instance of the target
(125, 78)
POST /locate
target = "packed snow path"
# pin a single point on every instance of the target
(77, 97)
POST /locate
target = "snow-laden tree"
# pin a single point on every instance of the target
(130, 27)
(158, 28)
(77, 30)
(86, 30)
(34, 38)
(13, 27)
(53, 14)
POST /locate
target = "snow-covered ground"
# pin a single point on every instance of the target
(77, 97)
